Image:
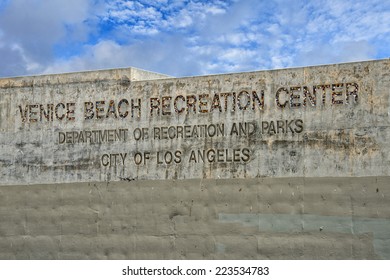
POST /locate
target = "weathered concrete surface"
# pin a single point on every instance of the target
(127, 164)
(264, 218)
(101, 127)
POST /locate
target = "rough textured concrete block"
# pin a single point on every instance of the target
(128, 164)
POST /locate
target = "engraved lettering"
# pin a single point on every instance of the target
(48, 114)
(88, 110)
(123, 112)
(259, 100)
(277, 99)
(308, 95)
(176, 101)
(336, 93)
(99, 109)
(166, 105)
(58, 114)
(352, 90)
(241, 98)
(294, 98)
(203, 103)
(136, 107)
(154, 105)
(111, 110)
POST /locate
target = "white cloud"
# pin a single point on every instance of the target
(336, 53)
(236, 38)
(35, 27)
(105, 54)
(109, 54)
(188, 37)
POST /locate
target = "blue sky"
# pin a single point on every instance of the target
(185, 38)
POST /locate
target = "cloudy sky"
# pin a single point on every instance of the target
(182, 38)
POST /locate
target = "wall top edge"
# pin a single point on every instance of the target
(133, 74)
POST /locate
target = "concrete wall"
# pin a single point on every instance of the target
(127, 164)
(304, 122)
(278, 218)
